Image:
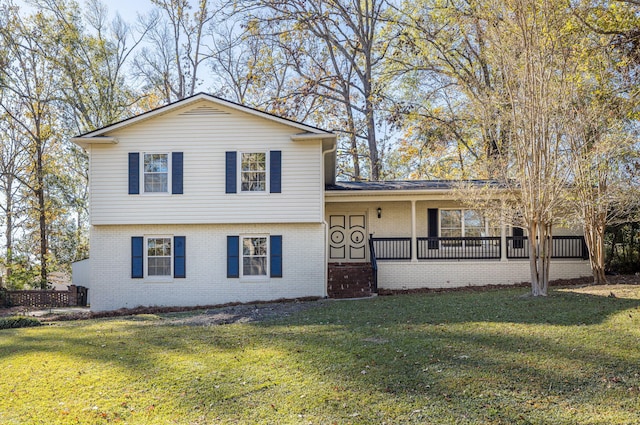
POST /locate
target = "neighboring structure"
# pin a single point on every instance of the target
(205, 201)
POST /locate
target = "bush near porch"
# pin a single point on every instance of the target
(482, 357)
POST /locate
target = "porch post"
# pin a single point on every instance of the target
(503, 241)
(414, 240)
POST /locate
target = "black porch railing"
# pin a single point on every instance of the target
(561, 247)
(374, 263)
(392, 248)
(467, 248)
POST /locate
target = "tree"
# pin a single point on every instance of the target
(601, 125)
(338, 50)
(171, 65)
(13, 163)
(32, 81)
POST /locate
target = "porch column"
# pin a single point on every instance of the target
(414, 240)
(503, 241)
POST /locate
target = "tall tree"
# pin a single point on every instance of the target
(13, 164)
(172, 65)
(352, 49)
(32, 81)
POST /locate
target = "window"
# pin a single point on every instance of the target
(159, 256)
(156, 173)
(465, 223)
(248, 256)
(253, 172)
(254, 256)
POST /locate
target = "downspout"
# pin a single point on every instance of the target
(324, 221)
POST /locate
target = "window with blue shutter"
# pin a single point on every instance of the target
(275, 170)
(230, 172)
(176, 173)
(276, 255)
(233, 256)
(179, 256)
(137, 257)
(134, 173)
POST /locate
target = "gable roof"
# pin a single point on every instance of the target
(204, 96)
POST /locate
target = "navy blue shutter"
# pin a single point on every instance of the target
(432, 221)
(231, 177)
(233, 256)
(518, 237)
(134, 173)
(176, 173)
(276, 255)
(137, 257)
(275, 169)
(179, 256)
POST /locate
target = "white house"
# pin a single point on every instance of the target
(205, 201)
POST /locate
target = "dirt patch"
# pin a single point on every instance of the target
(245, 313)
(217, 314)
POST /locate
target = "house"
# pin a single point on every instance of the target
(205, 201)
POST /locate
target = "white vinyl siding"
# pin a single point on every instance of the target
(204, 139)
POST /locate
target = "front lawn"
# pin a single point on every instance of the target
(491, 357)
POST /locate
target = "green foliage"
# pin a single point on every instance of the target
(623, 248)
(18, 322)
(491, 357)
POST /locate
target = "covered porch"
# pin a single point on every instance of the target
(418, 236)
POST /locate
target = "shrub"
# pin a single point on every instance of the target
(18, 322)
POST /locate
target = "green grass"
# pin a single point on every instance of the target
(489, 357)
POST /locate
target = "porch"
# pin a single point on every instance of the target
(419, 236)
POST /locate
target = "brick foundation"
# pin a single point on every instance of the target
(350, 280)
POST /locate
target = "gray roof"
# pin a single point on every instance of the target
(408, 185)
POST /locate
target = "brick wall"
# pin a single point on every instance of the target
(453, 274)
(349, 280)
(206, 281)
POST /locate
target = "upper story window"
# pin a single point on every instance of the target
(253, 172)
(156, 173)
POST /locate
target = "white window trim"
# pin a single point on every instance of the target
(267, 173)
(254, 278)
(166, 278)
(462, 210)
(169, 174)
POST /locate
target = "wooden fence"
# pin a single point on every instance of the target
(74, 296)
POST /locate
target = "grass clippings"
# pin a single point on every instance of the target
(488, 357)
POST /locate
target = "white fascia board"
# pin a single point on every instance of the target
(86, 141)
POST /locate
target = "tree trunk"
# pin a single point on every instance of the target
(9, 229)
(594, 238)
(42, 217)
(540, 244)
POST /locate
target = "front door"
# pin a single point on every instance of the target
(347, 238)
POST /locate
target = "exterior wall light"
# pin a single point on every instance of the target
(379, 212)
